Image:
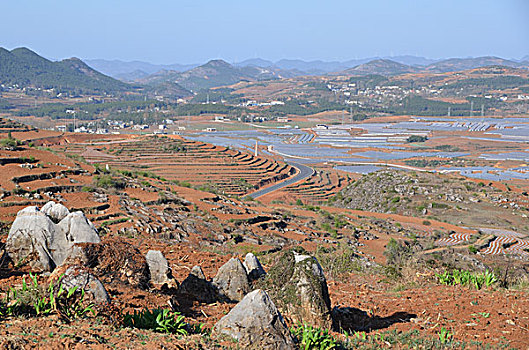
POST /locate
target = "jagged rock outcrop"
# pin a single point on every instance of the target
(56, 211)
(82, 278)
(159, 268)
(78, 228)
(253, 267)
(36, 240)
(197, 287)
(256, 324)
(231, 281)
(297, 285)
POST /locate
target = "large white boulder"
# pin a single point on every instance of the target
(34, 238)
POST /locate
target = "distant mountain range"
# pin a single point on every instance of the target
(25, 68)
(380, 67)
(117, 68)
(214, 73)
(142, 71)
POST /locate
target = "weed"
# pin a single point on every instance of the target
(35, 299)
(444, 336)
(314, 338)
(465, 278)
(160, 320)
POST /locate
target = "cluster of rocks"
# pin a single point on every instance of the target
(61, 243)
(67, 246)
(294, 286)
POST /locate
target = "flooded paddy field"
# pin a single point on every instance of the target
(486, 140)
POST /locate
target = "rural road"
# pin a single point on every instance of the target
(304, 172)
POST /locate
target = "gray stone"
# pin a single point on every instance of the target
(253, 267)
(56, 211)
(196, 287)
(78, 228)
(82, 278)
(159, 268)
(36, 240)
(255, 322)
(298, 287)
(28, 240)
(231, 281)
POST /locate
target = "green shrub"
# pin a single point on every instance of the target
(107, 181)
(160, 320)
(472, 249)
(313, 338)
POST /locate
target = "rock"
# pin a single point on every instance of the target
(159, 268)
(231, 281)
(81, 277)
(197, 287)
(35, 239)
(297, 285)
(29, 240)
(255, 322)
(78, 228)
(56, 211)
(253, 267)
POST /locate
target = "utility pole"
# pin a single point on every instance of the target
(448, 111)
(471, 108)
(482, 110)
(256, 148)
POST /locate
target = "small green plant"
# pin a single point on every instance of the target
(444, 335)
(34, 299)
(160, 320)
(465, 278)
(314, 338)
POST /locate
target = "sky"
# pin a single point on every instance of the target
(194, 31)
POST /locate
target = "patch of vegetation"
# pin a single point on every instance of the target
(416, 138)
(309, 337)
(467, 278)
(34, 299)
(411, 340)
(159, 320)
(108, 181)
(9, 143)
(337, 261)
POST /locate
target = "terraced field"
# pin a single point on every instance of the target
(221, 169)
(319, 187)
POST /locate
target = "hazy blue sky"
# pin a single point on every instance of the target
(191, 31)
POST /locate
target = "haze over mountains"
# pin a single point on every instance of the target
(23, 67)
(137, 70)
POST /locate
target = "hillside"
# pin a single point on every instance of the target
(380, 67)
(118, 68)
(457, 64)
(212, 74)
(25, 68)
(169, 230)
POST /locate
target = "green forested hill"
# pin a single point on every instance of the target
(212, 74)
(27, 69)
